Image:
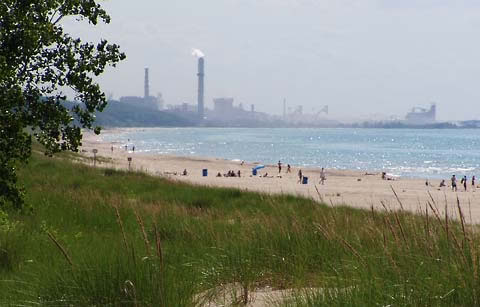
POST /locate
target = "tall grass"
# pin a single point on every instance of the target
(106, 237)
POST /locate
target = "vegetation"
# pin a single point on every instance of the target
(120, 114)
(110, 237)
(38, 61)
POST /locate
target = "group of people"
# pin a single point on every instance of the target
(289, 168)
(230, 174)
(238, 174)
(463, 181)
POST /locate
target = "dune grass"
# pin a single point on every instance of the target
(108, 237)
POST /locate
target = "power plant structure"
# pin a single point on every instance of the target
(422, 116)
(201, 87)
(155, 103)
(146, 92)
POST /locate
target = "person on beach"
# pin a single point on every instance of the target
(243, 162)
(279, 166)
(322, 176)
(184, 172)
(473, 181)
(464, 181)
(133, 148)
(126, 147)
(442, 183)
(111, 148)
(300, 176)
(238, 173)
(289, 169)
(454, 183)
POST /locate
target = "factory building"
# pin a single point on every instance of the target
(147, 101)
(223, 106)
(421, 116)
(299, 117)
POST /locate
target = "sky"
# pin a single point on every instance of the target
(362, 58)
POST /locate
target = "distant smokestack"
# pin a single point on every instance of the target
(201, 74)
(146, 93)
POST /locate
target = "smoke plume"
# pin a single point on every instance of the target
(198, 53)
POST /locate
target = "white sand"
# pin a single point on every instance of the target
(351, 188)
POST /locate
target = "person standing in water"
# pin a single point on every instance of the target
(473, 181)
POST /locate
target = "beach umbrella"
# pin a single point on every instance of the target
(259, 167)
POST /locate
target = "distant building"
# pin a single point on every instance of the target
(150, 102)
(299, 117)
(132, 100)
(223, 106)
(421, 116)
(160, 101)
(147, 101)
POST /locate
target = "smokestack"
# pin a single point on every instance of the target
(201, 74)
(146, 93)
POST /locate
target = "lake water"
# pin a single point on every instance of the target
(417, 153)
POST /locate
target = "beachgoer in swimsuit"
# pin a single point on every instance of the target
(454, 183)
(279, 166)
(300, 176)
(289, 170)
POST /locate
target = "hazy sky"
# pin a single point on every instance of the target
(360, 57)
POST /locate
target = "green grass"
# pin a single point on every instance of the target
(106, 237)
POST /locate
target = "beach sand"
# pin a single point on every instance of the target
(342, 187)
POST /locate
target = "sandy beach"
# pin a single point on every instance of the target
(342, 187)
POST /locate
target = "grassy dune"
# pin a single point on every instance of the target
(105, 237)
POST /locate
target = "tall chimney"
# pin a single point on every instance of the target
(146, 93)
(201, 74)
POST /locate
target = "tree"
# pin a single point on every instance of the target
(38, 61)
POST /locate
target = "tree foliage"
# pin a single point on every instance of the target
(38, 61)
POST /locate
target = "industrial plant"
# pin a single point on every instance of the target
(224, 112)
(147, 101)
(421, 116)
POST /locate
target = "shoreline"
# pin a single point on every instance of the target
(343, 187)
